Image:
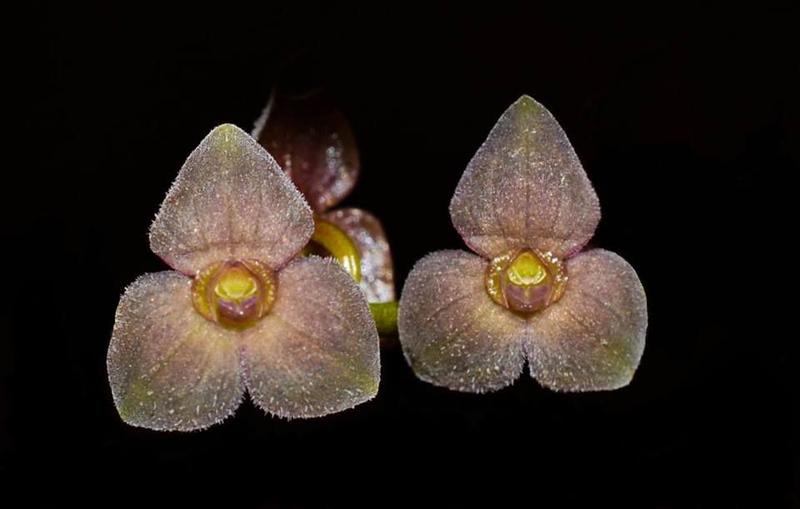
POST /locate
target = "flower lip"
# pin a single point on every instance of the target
(234, 293)
(525, 281)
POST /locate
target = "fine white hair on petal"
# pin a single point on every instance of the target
(453, 335)
(169, 368)
(230, 200)
(317, 351)
(525, 187)
(593, 338)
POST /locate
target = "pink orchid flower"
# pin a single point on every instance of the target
(526, 207)
(312, 141)
(242, 311)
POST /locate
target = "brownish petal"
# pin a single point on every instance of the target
(316, 352)
(525, 187)
(452, 333)
(593, 338)
(230, 201)
(312, 141)
(169, 368)
(364, 229)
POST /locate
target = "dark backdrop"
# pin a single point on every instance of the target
(685, 120)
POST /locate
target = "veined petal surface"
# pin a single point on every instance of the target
(170, 368)
(452, 333)
(593, 338)
(525, 187)
(316, 352)
(230, 200)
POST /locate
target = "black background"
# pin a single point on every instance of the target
(685, 120)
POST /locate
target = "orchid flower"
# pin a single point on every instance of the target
(312, 141)
(470, 321)
(241, 311)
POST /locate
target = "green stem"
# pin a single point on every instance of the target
(385, 316)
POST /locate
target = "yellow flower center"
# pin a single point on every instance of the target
(525, 281)
(526, 270)
(236, 284)
(235, 294)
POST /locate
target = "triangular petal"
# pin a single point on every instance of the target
(230, 201)
(316, 352)
(312, 141)
(593, 338)
(170, 368)
(525, 187)
(364, 229)
(452, 333)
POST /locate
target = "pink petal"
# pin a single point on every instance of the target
(591, 339)
(312, 141)
(316, 352)
(169, 368)
(230, 201)
(525, 187)
(451, 331)
(364, 229)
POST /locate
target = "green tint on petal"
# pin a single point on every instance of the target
(170, 368)
(452, 333)
(525, 188)
(316, 352)
(230, 200)
(593, 337)
(366, 232)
